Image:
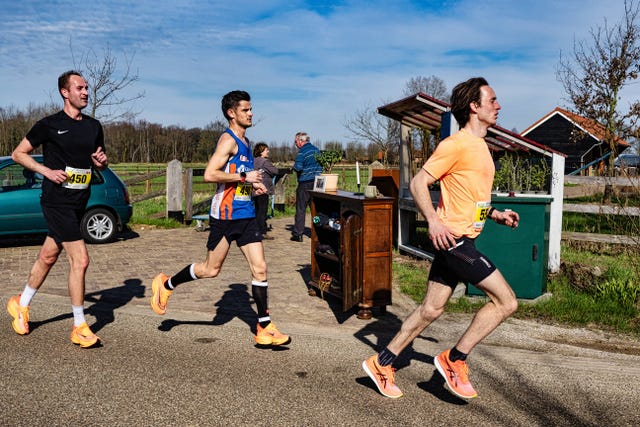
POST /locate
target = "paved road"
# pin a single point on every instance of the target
(197, 365)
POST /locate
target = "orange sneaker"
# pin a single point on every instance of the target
(20, 315)
(270, 335)
(383, 377)
(160, 294)
(83, 336)
(456, 374)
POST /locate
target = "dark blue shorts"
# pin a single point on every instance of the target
(63, 223)
(464, 263)
(243, 231)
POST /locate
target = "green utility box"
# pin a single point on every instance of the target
(521, 254)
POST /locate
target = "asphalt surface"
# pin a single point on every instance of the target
(198, 365)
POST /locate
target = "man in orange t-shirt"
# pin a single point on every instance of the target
(463, 165)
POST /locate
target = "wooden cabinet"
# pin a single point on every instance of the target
(354, 261)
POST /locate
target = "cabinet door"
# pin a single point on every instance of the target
(351, 256)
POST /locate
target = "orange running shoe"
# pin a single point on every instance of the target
(20, 315)
(456, 374)
(383, 377)
(83, 336)
(270, 335)
(160, 294)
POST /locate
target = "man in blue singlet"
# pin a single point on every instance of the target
(232, 217)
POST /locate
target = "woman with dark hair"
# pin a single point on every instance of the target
(262, 163)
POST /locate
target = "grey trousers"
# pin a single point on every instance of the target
(303, 199)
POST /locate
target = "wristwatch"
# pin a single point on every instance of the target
(243, 177)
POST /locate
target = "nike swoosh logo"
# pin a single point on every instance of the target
(60, 132)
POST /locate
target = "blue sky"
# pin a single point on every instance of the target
(309, 65)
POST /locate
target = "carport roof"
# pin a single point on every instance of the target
(423, 111)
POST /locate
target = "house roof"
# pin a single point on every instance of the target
(423, 111)
(591, 127)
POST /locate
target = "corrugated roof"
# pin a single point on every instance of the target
(423, 111)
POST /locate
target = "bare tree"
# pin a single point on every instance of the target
(369, 127)
(594, 78)
(106, 84)
(435, 87)
(597, 72)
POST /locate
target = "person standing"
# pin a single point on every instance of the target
(232, 217)
(73, 144)
(307, 168)
(463, 165)
(262, 163)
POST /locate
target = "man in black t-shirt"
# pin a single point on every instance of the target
(72, 144)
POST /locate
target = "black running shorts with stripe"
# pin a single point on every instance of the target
(463, 263)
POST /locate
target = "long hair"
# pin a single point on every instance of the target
(232, 99)
(463, 95)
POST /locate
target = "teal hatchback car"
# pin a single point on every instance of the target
(108, 211)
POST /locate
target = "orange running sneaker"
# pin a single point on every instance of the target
(270, 335)
(456, 374)
(83, 336)
(160, 294)
(383, 377)
(20, 315)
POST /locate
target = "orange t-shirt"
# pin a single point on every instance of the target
(463, 165)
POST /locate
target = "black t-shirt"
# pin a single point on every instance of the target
(66, 143)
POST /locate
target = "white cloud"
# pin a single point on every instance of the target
(307, 67)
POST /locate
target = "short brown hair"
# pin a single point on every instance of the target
(232, 99)
(463, 95)
(63, 80)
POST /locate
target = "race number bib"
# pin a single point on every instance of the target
(481, 213)
(243, 192)
(79, 179)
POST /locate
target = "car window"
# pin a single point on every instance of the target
(96, 177)
(15, 177)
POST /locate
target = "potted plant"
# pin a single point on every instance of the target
(327, 159)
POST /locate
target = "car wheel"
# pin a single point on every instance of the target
(98, 226)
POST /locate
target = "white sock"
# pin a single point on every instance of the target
(27, 295)
(78, 315)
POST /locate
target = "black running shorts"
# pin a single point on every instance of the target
(243, 231)
(63, 223)
(464, 263)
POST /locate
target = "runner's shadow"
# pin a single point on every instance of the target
(235, 302)
(378, 334)
(33, 325)
(437, 388)
(106, 301)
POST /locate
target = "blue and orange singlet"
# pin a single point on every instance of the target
(233, 199)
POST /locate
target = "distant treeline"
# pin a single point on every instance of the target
(140, 141)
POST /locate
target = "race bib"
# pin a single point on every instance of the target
(79, 179)
(243, 192)
(481, 213)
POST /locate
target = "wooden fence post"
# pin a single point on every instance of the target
(174, 190)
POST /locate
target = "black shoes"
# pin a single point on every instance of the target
(296, 238)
